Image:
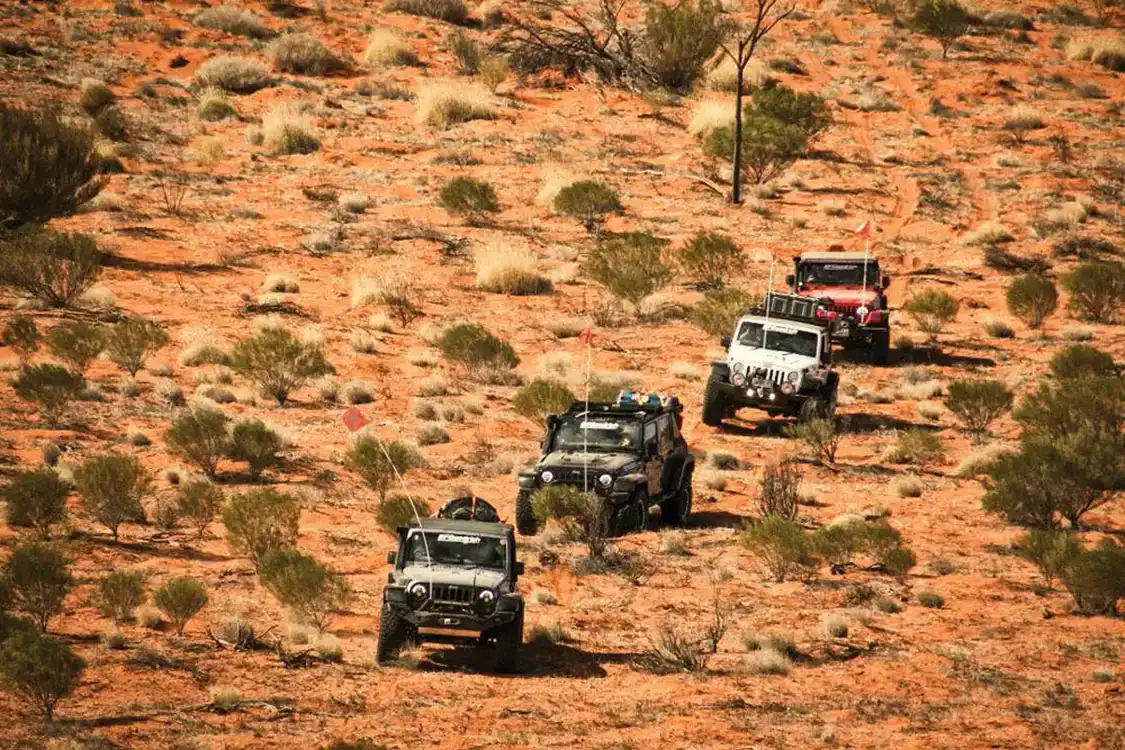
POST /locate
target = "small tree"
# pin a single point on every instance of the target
(1096, 578)
(51, 266)
(978, 403)
(198, 503)
(112, 486)
(471, 345)
(119, 593)
(931, 310)
(23, 336)
(378, 462)
(1097, 290)
(1080, 361)
(200, 437)
(470, 199)
(181, 599)
(777, 494)
(397, 511)
(1030, 487)
(943, 20)
(804, 111)
(261, 520)
(781, 545)
(631, 266)
(679, 40)
(709, 259)
(40, 669)
(76, 344)
(254, 442)
(278, 362)
(768, 148)
(1051, 551)
(720, 310)
(51, 387)
(539, 398)
(304, 586)
(39, 580)
(36, 499)
(821, 437)
(1032, 298)
(130, 343)
(583, 515)
(588, 201)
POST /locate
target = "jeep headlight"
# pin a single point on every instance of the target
(788, 389)
(417, 594)
(861, 313)
(606, 480)
(738, 379)
(547, 477)
(793, 377)
(485, 601)
(738, 367)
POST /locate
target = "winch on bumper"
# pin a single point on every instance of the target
(740, 389)
(475, 610)
(862, 326)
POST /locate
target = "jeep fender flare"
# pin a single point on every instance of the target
(720, 371)
(686, 472)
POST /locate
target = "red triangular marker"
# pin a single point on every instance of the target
(586, 336)
(354, 419)
(864, 229)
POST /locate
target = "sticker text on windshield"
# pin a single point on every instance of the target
(458, 539)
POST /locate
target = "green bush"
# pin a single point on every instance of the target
(1032, 298)
(278, 362)
(39, 669)
(821, 437)
(119, 593)
(76, 344)
(48, 167)
(54, 267)
(450, 11)
(679, 40)
(23, 336)
(377, 461)
(806, 112)
(631, 265)
(781, 546)
(1080, 361)
(1051, 551)
(1097, 290)
(198, 503)
(470, 199)
(180, 599)
(931, 600)
(777, 493)
(583, 515)
(539, 398)
(769, 146)
(112, 486)
(1096, 579)
(130, 343)
(1033, 486)
(38, 579)
(51, 387)
(917, 446)
(471, 345)
(588, 201)
(260, 521)
(466, 51)
(397, 511)
(304, 54)
(943, 20)
(254, 442)
(303, 586)
(709, 259)
(838, 544)
(720, 309)
(35, 499)
(199, 437)
(931, 310)
(978, 403)
(898, 561)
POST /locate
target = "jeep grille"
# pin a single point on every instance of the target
(845, 310)
(445, 593)
(777, 377)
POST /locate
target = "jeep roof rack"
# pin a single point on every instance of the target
(792, 307)
(628, 404)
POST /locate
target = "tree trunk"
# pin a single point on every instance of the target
(736, 158)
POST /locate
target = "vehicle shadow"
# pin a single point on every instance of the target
(768, 427)
(537, 659)
(716, 519)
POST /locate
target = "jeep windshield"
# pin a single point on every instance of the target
(837, 274)
(456, 548)
(778, 338)
(597, 434)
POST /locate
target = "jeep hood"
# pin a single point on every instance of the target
(770, 359)
(485, 578)
(595, 462)
(842, 295)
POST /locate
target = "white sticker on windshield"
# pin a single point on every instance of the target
(781, 329)
(600, 426)
(838, 267)
(458, 539)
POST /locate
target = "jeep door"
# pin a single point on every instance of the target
(672, 448)
(654, 459)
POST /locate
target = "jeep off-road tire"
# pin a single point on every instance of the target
(509, 638)
(881, 348)
(525, 518)
(677, 510)
(815, 407)
(631, 517)
(713, 407)
(395, 631)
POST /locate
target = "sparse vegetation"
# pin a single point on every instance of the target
(180, 599)
(40, 669)
(288, 128)
(37, 579)
(931, 310)
(917, 446)
(944, 20)
(236, 75)
(450, 11)
(119, 593)
(510, 270)
(978, 403)
(631, 266)
(539, 398)
(130, 343)
(710, 259)
(1080, 361)
(1032, 298)
(778, 494)
(256, 443)
(198, 503)
(199, 437)
(112, 486)
(587, 201)
(397, 511)
(386, 48)
(720, 310)
(1097, 290)
(304, 54)
(306, 588)
(1051, 551)
(470, 199)
(50, 387)
(233, 20)
(54, 267)
(378, 462)
(820, 436)
(278, 362)
(780, 545)
(679, 39)
(261, 520)
(36, 500)
(1096, 578)
(481, 353)
(442, 105)
(77, 344)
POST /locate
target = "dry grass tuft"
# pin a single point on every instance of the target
(288, 128)
(236, 75)
(979, 461)
(233, 20)
(443, 104)
(386, 47)
(512, 270)
(724, 76)
(710, 115)
(304, 54)
(281, 282)
(989, 233)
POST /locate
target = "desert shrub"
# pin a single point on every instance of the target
(839, 543)
(471, 345)
(942, 20)
(76, 344)
(234, 74)
(180, 599)
(720, 310)
(306, 588)
(539, 398)
(1079, 361)
(1085, 248)
(38, 580)
(978, 403)
(769, 146)
(917, 446)
(387, 47)
(709, 259)
(1096, 578)
(22, 335)
(233, 20)
(1032, 298)
(278, 362)
(679, 39)
(583, 515)
(804, 111)
(40, 669)
(470, 199)
(630, 265)
(432, 434)
(998, 329)
(288, 128)
(465, 51)
(48, 167)
(494, 71)
(198, 503)
(587, 201)
(778, 493)
(50, 387)
(931, 309)
(1051, 551)
(709, 115)
(397, 511)
(261, 520)
(671, 651)
(112, 486)
(820, 436)
(130, 343)
(450, 11)
(119, 593)
(931, 599)
(378, 462)
(510, 270)
(35, 499)
(1097, 290)
(304, 54)
(780, 545)
(199, 437)
(254, 442)
(54, 267)
(1033, 487)
(444, 104)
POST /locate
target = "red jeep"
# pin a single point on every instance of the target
(849, 284)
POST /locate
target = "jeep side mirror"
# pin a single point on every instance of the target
(518, 569)
(391, 558)
(790, 280)
(886, 281)
(651, 448)
(552, 421)
(725, 341)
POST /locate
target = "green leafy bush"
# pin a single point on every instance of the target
(260, 521)
(180, 599)
(1096, 578)
(450, 11)
(1032, 298)
(38, 579)
(780, 545)
(583, 515)
(631, 265)
(468, 198)
(471, 345)
(1034, 486)
(119, 593)
(50, 387)
(931, 309)
(720, 309)
(35, 499)
(254, 442)
(278, 362)
(769, 147)
(777, 493)
(709, 259)
(821, 437)
(378, 461)
(23, 336)
(943, 20)
(679, 40)
(1080, 361)
(539, 398)
(1051, 551)
(978, 403)
(304, 54)
(804, 111)
(1097, 290)
(588, 201)
(198, 503)
(304, 586)
(76, 344)
(130, 343)
(39, 669)
(397, 511)
(112, 486)
(199, 437)
(54, 267)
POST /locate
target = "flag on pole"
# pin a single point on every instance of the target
(587, 336)
(864, 229)
(354, 419)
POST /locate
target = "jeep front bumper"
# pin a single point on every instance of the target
(768, 397)
(617, 493)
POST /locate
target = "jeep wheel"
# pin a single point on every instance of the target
(813, 408)
(631, 517)
(713, 407)
(676, 510)
(509, 638)
(525, 519)
(395, 631)
(881, 348)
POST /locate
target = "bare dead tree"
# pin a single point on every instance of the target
(740, 49)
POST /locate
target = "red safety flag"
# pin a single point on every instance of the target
(354, 419)
(864, 229)
(586, 336)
